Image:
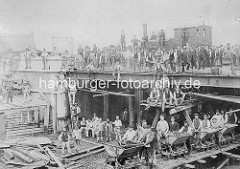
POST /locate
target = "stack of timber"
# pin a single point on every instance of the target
(29, 155)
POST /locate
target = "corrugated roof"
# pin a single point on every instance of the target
(16, 42)
(18, 103)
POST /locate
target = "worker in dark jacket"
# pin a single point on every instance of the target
(151, 145)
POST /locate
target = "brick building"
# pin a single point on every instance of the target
(193, 35)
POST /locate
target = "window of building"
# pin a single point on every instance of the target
(197, 33)
(31, 116)
(204, 33)
(24, 117)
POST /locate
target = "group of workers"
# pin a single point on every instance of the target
(139, 57)
(165, 96)
(196, 129)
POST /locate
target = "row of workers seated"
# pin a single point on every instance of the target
(166, 96)
(198, 128)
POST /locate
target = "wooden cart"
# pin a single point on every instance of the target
(176, 145)
(124, 156)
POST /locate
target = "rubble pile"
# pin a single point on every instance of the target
(32, 153)
(41, 152)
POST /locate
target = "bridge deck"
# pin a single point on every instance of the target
(170, 164)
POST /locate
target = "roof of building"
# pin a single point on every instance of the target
(191, 27)
(16, 42)
(19, 103)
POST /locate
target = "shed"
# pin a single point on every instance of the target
(20, 118)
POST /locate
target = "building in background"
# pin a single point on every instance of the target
(200, 35)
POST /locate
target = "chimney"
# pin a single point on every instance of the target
(144, 29)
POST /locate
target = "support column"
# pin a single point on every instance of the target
(54, 114)
(131, 110)
(138, 98)
(105, 107)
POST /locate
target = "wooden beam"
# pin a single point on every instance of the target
(108, 92)
(231, 155)
(99, 95)
(224, 163)
(219, 97)
(60, 164)
(234, 111)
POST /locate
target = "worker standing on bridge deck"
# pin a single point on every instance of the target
(65, 58)
(44, 56)
(27, 56)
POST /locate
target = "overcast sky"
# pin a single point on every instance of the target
(101, 21)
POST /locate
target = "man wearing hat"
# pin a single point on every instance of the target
(27, 56)
(44, 57)
(151, 144)
(129, 136)
(117, 68)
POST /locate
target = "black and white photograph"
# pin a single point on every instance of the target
(119, 84)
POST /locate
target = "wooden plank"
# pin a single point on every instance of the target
(85, 151)
(60, 164)
(21, 156)
(231, 155)
(224, 163)
(108, 92)
(88, 154)
(202, 161)
(189, 166)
